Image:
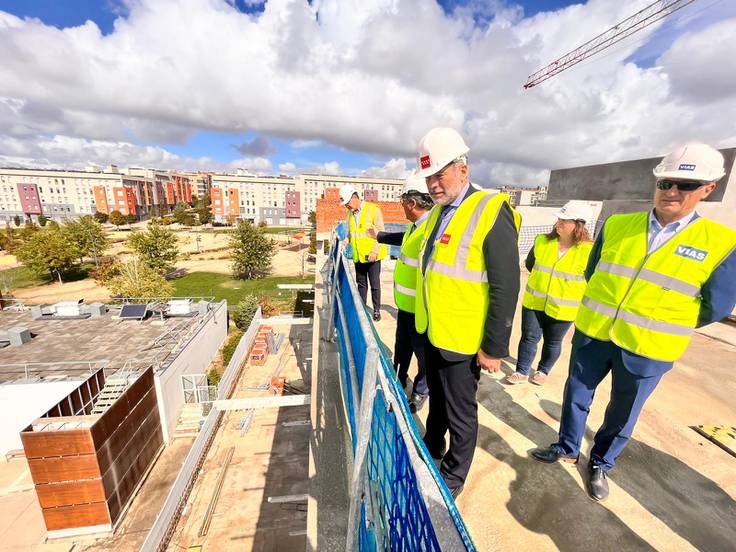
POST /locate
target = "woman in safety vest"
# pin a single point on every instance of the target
(553, 293)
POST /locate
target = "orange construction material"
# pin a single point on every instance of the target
(277, 384)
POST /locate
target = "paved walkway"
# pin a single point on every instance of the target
(671, 490)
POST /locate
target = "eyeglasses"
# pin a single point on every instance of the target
(682, 185)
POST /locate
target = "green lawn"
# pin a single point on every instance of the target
(23, 277)
(222, 286)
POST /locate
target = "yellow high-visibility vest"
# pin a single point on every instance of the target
(648, 303)
(452, 290)
(362, 243)
(405, 271)
(557, 284)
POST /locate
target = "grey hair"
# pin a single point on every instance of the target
(462, 160)
(423, 201)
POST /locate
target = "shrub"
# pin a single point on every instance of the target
(245, 311)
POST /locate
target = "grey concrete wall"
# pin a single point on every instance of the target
(626, 180)
(193, 359)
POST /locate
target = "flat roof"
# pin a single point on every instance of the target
(65, 348)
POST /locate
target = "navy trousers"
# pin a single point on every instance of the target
(365, 272)
(590, 362)
(409, 342)
(453, 408)
(534, 325)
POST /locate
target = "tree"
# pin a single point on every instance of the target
(180, 212)
(88, 235)
(131, 219)
(42, 220)
(245, 311)
(204, 214)
(49, 252)
(17, 220)
(106, 270)
(117, 219)
(252, 251)
(156, 246)
(29, 229)
(137, 279)
(100, 217)
(313, 233)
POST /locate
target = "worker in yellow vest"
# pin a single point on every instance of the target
(553, 292)
(367, 252)
(466, 294)
(653, 277)
(416, 203)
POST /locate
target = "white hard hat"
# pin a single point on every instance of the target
(346, 193)
(415, 183)
(575, 210)
(692, 162)
(438, 148)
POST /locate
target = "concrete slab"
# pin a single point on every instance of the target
(269, 460)
(671, 489)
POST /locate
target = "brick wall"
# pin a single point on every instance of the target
(330, 212)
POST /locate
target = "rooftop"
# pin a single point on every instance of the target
(75, 347)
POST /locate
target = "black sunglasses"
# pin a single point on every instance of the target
(682, 185)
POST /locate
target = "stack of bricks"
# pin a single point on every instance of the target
(330, 212)
(259, 352)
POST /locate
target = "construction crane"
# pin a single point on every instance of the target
(651, 14)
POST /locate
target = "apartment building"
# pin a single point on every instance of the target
(285, 200)
(59, 194)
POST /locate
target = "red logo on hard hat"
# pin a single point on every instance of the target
(424, 162)
(445, 239)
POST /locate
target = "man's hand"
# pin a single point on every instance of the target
(372, 232)
(372, 257)
(488, 363)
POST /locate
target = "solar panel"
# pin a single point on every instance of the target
(134, 312)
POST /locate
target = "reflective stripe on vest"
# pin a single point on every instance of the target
(362, 243)
(453, 295)
(557, 283)
(648, 302)
(405, 271)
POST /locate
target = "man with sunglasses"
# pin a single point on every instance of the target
(653, 277)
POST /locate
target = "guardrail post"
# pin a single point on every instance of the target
(363, 421)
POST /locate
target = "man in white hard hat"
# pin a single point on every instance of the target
(653, 277)
(466, 294)
(367, 252)
(416, 202)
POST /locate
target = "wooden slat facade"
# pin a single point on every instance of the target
(85, 477)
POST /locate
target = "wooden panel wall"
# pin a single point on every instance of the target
(127, 438)
(66, 474)
(85, 477)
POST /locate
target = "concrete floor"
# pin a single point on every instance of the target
(671, 489)
(21, 522)
(269, 463)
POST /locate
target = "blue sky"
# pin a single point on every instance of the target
(486, 99)
(216, 145)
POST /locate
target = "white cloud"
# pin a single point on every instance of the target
(287, 168)
(366, 75)
(393, 168)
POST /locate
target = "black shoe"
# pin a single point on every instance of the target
(456, 491)
(551, 454)
(416, 402)
(376, 316)
(597, 483)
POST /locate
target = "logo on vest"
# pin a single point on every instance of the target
(445, 239)
(686, 167)
(424, 161)
(690, 252)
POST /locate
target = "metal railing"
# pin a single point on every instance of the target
(160, 533)
(36, 370)
(398, 500)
